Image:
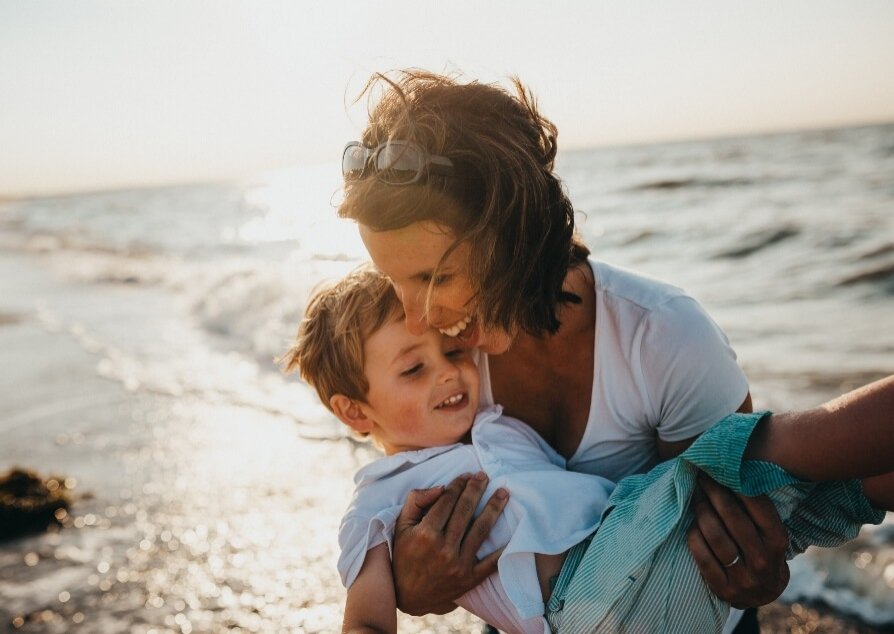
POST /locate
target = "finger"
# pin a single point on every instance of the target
(464, 509)
(484, 523)
(418, 502)
(713, 532)
(738, 526)
(440, 511)
(712, 572)
(767, 521)
(487, 566)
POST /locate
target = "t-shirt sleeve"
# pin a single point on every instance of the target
(689, 375)
(359, 534)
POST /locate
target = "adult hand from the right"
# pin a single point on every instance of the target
(436, 541)
(738, 544)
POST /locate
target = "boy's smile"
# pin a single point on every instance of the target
(423, 389)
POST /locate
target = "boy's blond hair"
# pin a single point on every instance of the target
(340, 317)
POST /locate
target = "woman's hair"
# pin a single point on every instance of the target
(504, 199)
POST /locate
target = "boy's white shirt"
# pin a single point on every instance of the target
(513, 456)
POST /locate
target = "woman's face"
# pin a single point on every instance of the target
(409, 257)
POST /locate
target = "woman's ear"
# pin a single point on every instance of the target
(350, 413)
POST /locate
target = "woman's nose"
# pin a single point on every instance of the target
(415, 314)
(416, 323)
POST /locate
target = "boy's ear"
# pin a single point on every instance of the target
(350, 413)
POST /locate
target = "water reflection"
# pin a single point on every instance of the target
(228, 523)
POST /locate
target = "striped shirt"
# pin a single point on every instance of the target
(637, 574)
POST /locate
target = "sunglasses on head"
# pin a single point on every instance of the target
(394, 162)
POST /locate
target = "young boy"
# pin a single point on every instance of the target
(417, 397)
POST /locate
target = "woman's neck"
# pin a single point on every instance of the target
(546, 381)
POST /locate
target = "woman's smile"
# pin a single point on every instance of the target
(458, 327)
(431, 291)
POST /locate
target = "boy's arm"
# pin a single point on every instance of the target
(371, 607)
(850, 437)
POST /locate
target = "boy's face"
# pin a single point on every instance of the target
(423, 389)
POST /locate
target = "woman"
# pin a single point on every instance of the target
(453, 189)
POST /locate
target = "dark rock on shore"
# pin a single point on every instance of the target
(30, 503)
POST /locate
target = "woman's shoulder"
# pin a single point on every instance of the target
(626, 286)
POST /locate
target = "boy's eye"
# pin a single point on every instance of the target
(411, 371)
(455, 353)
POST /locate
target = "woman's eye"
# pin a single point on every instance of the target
(411, 371)
(437, 280)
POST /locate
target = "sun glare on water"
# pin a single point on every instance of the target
(299, 205)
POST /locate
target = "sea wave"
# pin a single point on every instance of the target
(691, 183)
(753, 242)
(881, 277)
(856, 579)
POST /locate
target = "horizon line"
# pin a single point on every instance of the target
(127, 186)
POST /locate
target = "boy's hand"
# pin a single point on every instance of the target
(738, 544)
(436, 539)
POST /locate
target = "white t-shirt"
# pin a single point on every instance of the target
(662, 367)
(549, 510)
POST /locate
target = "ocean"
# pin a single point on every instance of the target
(139, 330)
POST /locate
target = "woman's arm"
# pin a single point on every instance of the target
(850, 437)
(847, 438)
(371, 607)
(436, 540)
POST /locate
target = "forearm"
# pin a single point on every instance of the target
(847, 438)
(370, 607)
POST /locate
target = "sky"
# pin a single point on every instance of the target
(111, 94)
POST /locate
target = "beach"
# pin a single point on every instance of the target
(194, 514)
(138, 332)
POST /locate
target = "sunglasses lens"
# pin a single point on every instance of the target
(353, 161)
(399, 163)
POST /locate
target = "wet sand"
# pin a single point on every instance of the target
(195, 514)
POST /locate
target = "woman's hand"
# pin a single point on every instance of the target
(738, 544)
(436, 538)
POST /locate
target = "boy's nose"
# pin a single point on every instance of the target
(449, 371)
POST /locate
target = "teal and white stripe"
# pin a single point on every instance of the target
(638, 575)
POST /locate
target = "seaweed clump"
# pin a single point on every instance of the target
(30, 503)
